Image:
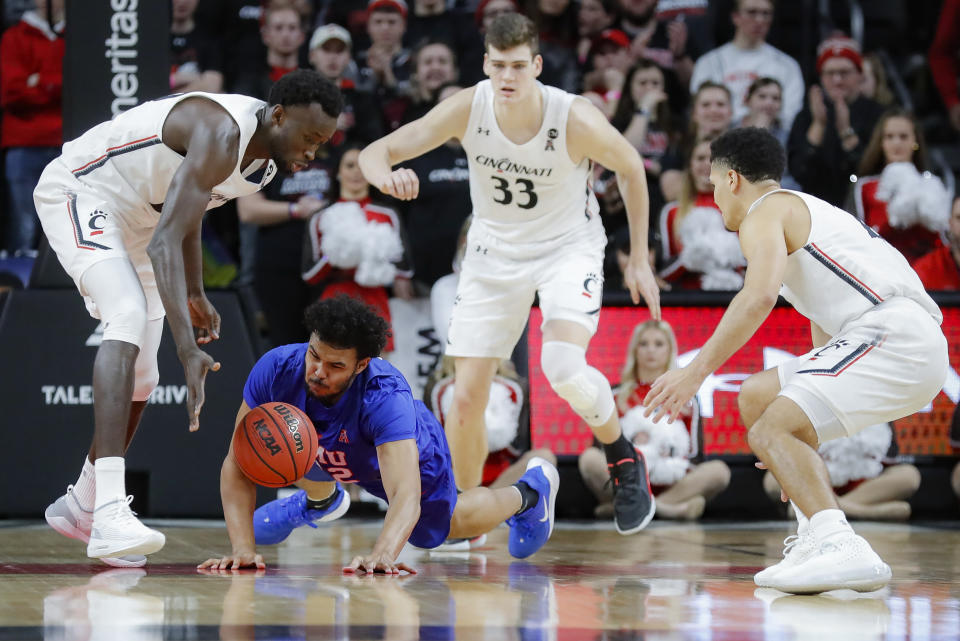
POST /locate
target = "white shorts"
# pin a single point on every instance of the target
(498, 281)
(887, 364)
(83, 229)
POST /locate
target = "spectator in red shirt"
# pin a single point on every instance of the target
(944, 63)
(682, 486)
(31, 78)
(895, 195)
(940, 269)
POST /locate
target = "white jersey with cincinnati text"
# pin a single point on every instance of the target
(845, 269)
(531, 192)
(125, 160)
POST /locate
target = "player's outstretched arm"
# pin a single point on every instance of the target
(209, 139)
(239, 497)
(763, 244)
(445, 121)
(590, 135)
(400, 472)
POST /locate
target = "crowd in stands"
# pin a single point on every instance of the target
(670, 75)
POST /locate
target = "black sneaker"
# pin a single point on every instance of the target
(633, 504)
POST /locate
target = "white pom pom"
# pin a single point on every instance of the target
(502, 416)
(707, 245)
(665, 450)
(857, 457)
(933, 204)
(913, 199)
(341, 243)
(381, 248)
(721, 280)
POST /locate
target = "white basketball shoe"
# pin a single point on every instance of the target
(841, 561)
(116, 531)
(66, 516)
(795, 547)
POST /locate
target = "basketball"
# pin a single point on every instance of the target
(275, 444)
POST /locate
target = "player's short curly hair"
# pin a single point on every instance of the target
(752, 152)
(305, 87)
(343, 323)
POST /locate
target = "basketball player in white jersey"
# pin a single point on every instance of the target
(536, 231)
(878, 351)
(122, 207)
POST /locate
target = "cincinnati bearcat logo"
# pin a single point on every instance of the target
(590, 285)
(96, 222)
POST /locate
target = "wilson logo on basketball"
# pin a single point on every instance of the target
(293, 423)
(266, 437)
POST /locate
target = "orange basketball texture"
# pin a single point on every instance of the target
(275, 444)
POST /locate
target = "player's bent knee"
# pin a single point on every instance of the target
(583, 387)
(146, 371)
(145, 382)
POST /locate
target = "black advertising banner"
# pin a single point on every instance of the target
(117, 56)
(48, 343)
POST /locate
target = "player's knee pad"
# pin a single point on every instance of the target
(583, 387)
(118, 295)
(146, 371)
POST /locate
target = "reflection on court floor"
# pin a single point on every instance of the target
(668, 582)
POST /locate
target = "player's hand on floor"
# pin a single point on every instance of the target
(196, 364)
(670, 393)
(205, 319)
(376, 564)
(234, 562)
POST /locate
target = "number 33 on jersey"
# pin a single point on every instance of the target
(530, 192)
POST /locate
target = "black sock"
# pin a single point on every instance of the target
(322, 504)
(619, 450)
(528, 496)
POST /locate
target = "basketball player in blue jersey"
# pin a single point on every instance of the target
(878, 351)
(373, 433)
(122, 207)
(536, 231)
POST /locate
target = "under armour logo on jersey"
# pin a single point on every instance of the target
(343, 437)
(549, 146)
(481, 130)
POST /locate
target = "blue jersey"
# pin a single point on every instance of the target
(377, 408)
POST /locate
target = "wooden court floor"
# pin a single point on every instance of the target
(667, 582)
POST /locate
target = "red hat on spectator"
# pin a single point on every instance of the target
(614, 36)
(478, 14)
(839, 46)
(398, 5)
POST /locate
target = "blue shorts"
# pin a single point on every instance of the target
(436, 504)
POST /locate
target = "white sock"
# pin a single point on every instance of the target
(110, 483)
(803, 523)
(85, 489)
(826, 523)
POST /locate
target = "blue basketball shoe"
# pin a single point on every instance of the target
(274, 521)
(529, 530)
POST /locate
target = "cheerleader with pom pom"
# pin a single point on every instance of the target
(698, 251)
(895, 195)
(866, 489)
(670, 448)
(355, 247)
